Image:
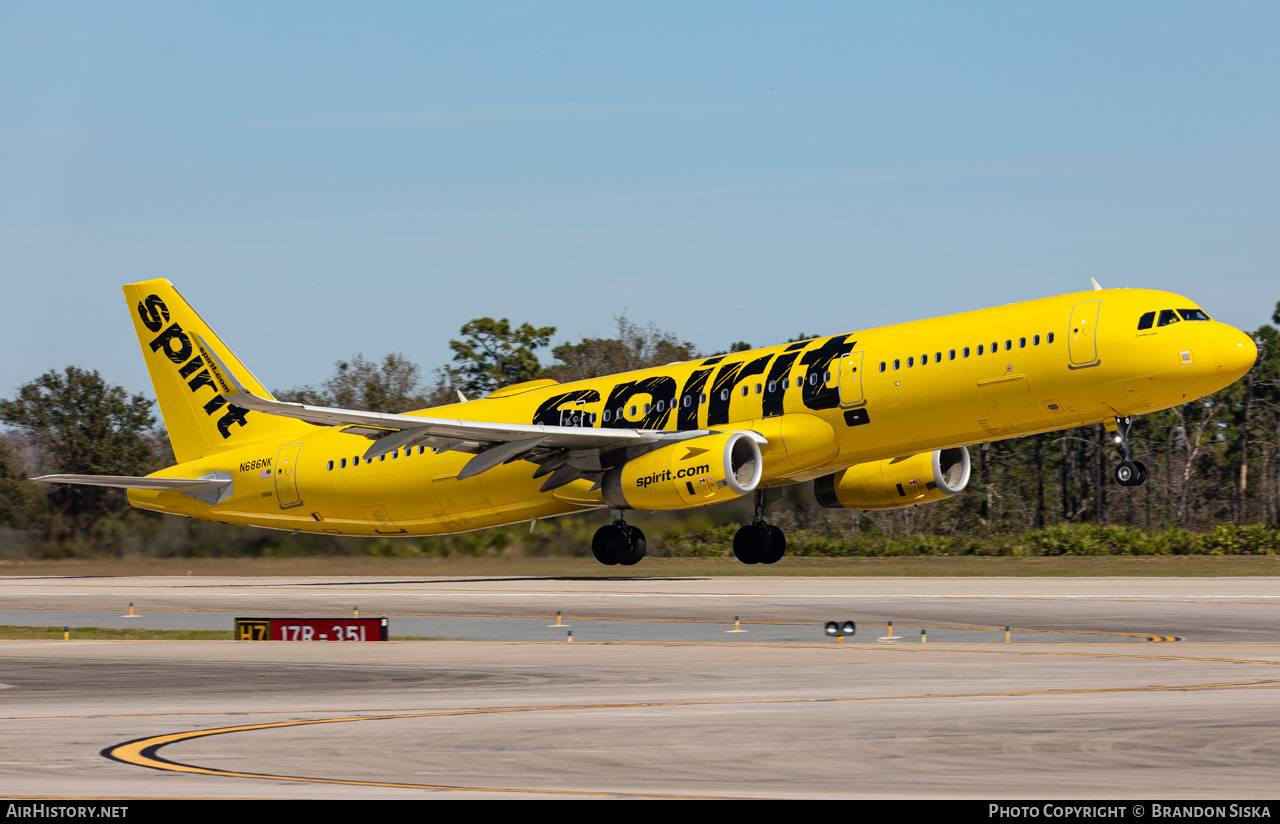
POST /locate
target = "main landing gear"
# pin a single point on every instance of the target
(618, 543)
(759, 542)
(1128, 472)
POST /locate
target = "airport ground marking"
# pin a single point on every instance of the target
(144, 752)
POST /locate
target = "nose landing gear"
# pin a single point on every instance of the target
(1128, 472)
(759, 542)
(618, 543)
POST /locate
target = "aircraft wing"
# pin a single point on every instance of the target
(565, 452)
(448, 432)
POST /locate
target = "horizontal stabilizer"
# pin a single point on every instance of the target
(211, 489)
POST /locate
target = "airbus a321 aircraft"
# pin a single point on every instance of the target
(876, 419)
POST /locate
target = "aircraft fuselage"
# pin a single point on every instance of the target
(822, 405)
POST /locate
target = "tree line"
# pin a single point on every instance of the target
(1212, 462)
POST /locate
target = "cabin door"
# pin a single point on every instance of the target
(286, 476)
(1082, 335)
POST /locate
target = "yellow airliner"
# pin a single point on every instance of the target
(875, 420)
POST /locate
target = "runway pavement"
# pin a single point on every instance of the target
(654, 697)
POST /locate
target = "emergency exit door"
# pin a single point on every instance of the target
(851, 380)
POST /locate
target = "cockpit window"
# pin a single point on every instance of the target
(1192, 314)
(1167, 316)
(1146, 320)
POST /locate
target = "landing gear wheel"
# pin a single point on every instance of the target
(611, 544)
(778, 545)
(1128, 474)
(752, 543)
(638, 546)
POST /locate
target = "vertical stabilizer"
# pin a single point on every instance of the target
(198, 417)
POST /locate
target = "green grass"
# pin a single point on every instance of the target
(9, 633)
(560, 566)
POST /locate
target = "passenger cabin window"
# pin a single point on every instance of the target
(1035, 341)
(953, 354)
(1008, 345)
(1147, 320)
(1192, 314)
(342, 464)
(1167, 316)
(1022, 343)
(911, 362)
(966, 351)
(1049, 338)
(896, 363)
(882, 366)
(937, 356)
(979, 349)
(330, 466)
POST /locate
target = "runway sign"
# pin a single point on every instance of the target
(311, 629)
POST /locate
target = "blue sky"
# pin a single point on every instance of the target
(326, 179)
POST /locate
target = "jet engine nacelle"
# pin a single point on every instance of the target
(690, 473)
(896, 482)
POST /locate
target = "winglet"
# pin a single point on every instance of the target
(1096, 287)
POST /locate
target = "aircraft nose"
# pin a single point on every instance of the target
(1234, 353)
